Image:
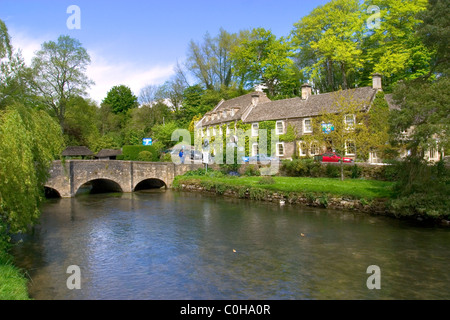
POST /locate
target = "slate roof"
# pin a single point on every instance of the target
(313, 106)
(75, 151)
(242, 103)
(108, 153)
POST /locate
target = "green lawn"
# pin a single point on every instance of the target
(355, 188)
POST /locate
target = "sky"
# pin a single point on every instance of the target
(138, 42)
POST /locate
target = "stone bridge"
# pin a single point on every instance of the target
(112, 175)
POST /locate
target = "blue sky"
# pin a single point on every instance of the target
(137, 42)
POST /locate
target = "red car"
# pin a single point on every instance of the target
(332, 157)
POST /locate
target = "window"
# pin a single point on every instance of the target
(307, 126)
(228, 129)
(208, 132)
(214, 131)
(224, 114)
(255, 149)
(255, 127)
(315, 150)
(280, 149)
(303, 149)
(349, 120)
(374, 157)
(433, 154)
(280, 127)
(350, 148)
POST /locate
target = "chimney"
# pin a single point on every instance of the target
(306, 91)
(255, 99)
(376, 81)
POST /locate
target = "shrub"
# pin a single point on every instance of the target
(131, 153)
(145, 156)
(356, 172)
(251, 171)
(333, 171)
(267, 180)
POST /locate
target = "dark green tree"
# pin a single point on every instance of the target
(121, 99)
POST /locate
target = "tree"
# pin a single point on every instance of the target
(423, 109)
(79, 122)
(394, 49)
(14, 75)
(350, 134)
(262, 59)
(29, 141)
(210, 61)
(435, 33)
(59, 74)
(328, 43)
(121, 99)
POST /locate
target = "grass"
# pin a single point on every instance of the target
(357, 189)
(13, 284)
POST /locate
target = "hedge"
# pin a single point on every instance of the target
(131, 153)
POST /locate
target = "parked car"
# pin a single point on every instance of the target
(332, 157)
(259, 158)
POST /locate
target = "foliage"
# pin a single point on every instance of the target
(163, 133)
(29, 141)
(423, 108)
(121, 99)
(261, 58)
(252, 170)
(328, 41)
(133, 153)
(145, 156)
(422, 189)
(59, 74)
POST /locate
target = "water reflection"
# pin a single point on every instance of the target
(169, 245)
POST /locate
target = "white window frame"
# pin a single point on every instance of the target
(346, 148)
(276, 127)
(228, 129)
(278, 149)
(302, 149)
(255, 131)
(255, 144)
(352, 126)
(310, 124)
(312, 150)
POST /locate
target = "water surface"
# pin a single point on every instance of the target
(174, 245)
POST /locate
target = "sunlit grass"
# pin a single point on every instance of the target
(355, 188)
(13, 283)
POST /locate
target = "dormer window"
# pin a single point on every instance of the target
(224, 114)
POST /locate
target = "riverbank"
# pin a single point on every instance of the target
(367, 196)
(13, 283)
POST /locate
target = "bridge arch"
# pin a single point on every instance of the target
(51, 193)
(98, 185)
(150, 183)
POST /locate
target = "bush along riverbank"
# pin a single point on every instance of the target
(367, 196)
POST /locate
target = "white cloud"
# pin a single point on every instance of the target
(107, 74)
(27, 45)
(103, 72)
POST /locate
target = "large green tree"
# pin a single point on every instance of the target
(262, 59)
(59, 71)
(29, 141)
(121, 99)
(328, 44)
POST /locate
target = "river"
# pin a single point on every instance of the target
(174, 245)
